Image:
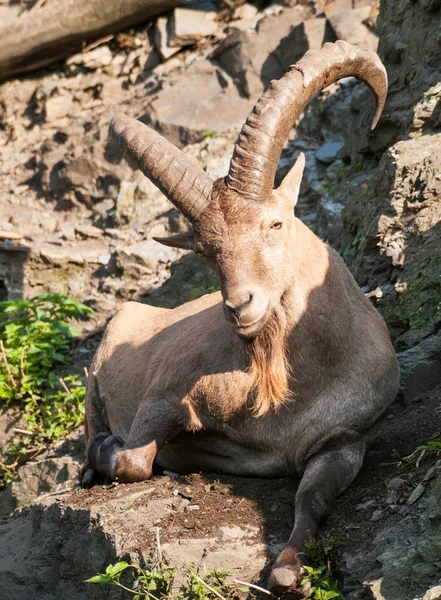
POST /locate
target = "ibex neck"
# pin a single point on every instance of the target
(310, 268)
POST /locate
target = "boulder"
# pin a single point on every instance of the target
(349, 26)
(207, 101)
(254, 58)
(37, 478)
(146, 254)
(309, 35)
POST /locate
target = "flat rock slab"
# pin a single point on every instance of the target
(47, 551)
(201, 101)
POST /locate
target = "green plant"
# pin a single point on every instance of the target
(35, 337)
(159, 583)
(433, 446)
(322, 557)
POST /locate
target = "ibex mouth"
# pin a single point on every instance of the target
(252, 328)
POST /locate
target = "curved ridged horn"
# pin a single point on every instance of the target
(260, 143)
(185, 184)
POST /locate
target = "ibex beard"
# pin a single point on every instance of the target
(288, 368)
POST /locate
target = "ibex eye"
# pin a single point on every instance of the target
(277, 225)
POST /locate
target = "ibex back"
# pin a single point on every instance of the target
(283, 372)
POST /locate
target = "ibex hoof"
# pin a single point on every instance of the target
(101, 456)
(281, 579)
(89, 477)
(285, 581)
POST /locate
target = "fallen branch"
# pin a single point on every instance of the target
(62, 28)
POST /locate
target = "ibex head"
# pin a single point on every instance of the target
(242, 227)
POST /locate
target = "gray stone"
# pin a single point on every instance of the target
(36, 478)
(397, 483)
(377, 515)
(89, 231)
(420, 367)
(366, 505)
(430, 520)
(190, 26)
(429, 548)
(416, 494)
(56, 545)
(328, 153)
(59, 106)
(93, 59)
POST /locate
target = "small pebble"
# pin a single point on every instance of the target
(417, 492)
(377, 515)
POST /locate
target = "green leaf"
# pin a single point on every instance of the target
(103, 578)
(117, 568)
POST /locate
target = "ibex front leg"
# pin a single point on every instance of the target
(327, 475)
(156, 422)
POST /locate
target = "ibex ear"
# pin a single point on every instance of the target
(290, 187)
(181, 240)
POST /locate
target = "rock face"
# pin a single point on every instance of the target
(416, 562)
(421, 367)
(391, 237)
(416, 105)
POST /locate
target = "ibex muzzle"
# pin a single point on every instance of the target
(287, 370)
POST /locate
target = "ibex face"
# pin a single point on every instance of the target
(242, 227)
(251, 246)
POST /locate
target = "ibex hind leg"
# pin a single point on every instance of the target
(327, 475)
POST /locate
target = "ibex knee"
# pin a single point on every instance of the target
(133, 465)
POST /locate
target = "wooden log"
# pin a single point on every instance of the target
(63, 27)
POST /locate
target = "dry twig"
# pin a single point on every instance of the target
(8, 370)
(212, 590)
(23, 431)
(158, 546)
(63, 383)
(252, 585)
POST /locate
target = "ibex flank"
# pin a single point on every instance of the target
(287, 369)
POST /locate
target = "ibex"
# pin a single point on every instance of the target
(288, 368)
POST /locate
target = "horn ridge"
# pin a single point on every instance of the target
(184, 183)
(260, 142)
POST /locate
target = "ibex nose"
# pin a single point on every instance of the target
(236, 305)
(244, 306)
